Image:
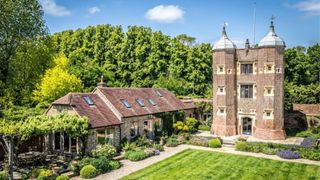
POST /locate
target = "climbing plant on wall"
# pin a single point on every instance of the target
(73, 125)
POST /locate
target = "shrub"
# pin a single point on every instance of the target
(62, 177)
(158, 147)
(172, 142)
(114, 164)
(311, 154)
(46, 174)
(180, 126)
(88, 172)
(241, 146)
(149, 152)
(192, 124)
(105, 150)
(199, 141)
(101, 164)
(204, 127)
(270, 151)
(135, 155)
(214, 143)
(183, 138)
(157, 152)
(127, 146)
(288, 154)
(143, 142)
(4, 175)
(308, 142)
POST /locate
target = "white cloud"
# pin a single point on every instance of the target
(94, 10)
(165, 14)
(52, 8)
(311, 7)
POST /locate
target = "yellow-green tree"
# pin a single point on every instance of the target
(57, 82)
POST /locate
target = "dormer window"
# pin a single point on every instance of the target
(88, 100)
(159, 93)
(152, 102)
(125, 103)
(140, 102)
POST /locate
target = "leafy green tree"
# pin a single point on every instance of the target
(57, 82)
(28, 64)
(19, 21)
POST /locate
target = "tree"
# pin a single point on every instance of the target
(19, 21)
(28, 64)
(23, 129)
(57, 82)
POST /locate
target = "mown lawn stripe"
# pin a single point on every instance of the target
(198, 164)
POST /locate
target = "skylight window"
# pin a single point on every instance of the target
(139, 101)
(125, 103)
(159, 93)
(88, 100)
(151, 101)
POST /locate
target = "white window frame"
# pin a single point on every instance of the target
(265, 112)
(219, 111)
(223, 69)
(266, 69)
(268, 88)
(223, 90)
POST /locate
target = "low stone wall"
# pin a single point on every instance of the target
(303, 116)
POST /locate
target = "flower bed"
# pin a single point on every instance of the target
(270, 148)
(140, 149)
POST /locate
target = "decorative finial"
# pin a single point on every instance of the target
(101, 83)
(272, 18)
(101, 78)
(224, 25)
(247, 44)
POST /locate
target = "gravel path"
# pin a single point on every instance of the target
(129, 167)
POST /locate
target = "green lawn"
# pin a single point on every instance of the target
(196, 164)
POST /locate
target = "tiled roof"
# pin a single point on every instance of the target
(99, 114)
(188, 103)
(167, 103)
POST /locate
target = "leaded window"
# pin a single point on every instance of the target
(246, 91)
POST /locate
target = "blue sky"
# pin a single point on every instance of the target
(297, 21)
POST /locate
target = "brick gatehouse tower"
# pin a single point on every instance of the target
(248, 88)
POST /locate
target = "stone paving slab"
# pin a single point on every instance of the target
(129, 167)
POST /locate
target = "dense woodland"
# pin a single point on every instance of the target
(38, 67)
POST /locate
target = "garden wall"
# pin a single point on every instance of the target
(303, 116)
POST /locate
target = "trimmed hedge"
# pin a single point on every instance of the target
(88, 172)
(214, 143)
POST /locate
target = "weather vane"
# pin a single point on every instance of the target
(272, 18)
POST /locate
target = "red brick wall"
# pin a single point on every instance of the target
(308, 109)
